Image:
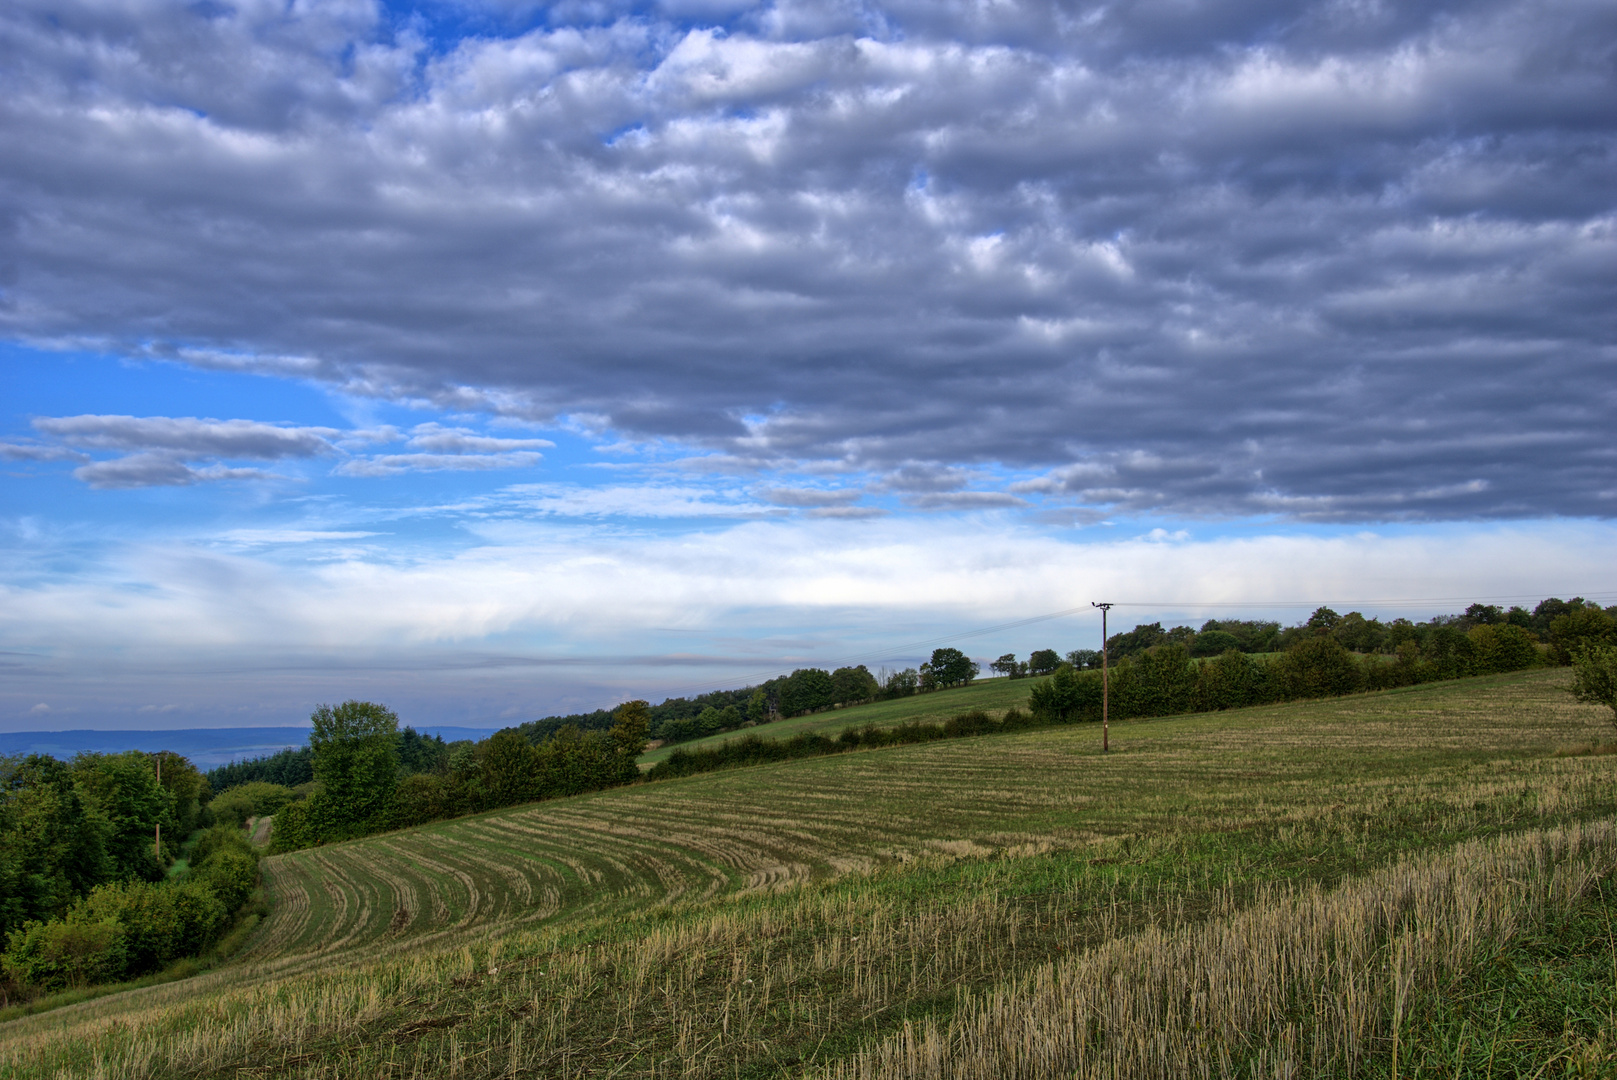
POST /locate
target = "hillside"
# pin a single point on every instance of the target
(842, 912)
(990, 695)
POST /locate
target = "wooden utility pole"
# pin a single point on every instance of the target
(1105, 687)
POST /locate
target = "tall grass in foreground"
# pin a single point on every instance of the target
(1305, 982)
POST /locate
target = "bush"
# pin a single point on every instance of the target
(161, 922)
(1502, 647)
(60, 954)
(1594, 676)
(1585, 626)
(220, 838)
(231, 874)
(256, 798)
(1319, 667)
(291, 830)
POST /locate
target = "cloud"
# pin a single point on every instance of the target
(966, 500)
(33, 452)
(808, 497)
(442, 440)
(394, 464)
(157, 470)
(623, 500)
(1329, 262)
(189, 436)
(467, 632)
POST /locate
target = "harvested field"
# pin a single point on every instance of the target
(866, 914)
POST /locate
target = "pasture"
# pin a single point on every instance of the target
(1328, 888)
(990, 695)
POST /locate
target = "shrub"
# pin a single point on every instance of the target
(59, 954)
(1502, 647)
(1584, 626)
(1319, 667)
(253, 799)
(1594, 676)
(231, 874)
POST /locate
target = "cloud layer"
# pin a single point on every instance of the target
(538, 618)
(1317, 260)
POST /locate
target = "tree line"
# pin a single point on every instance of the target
(362, 787)
(85, 894)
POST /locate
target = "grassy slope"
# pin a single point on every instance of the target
(990, 695)
(619, 931)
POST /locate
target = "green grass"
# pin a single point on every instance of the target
(764, 921)
(990, 695)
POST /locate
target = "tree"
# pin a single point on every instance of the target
(510, 769)
(1587, 625)
(123, 788)
(951, 667)
(1319, 667)
(758, 708)
(1043, 661)
(901, 683)
(1007, 666)
(1323, 620)
(1066, 696)
(52, 843)
(1081, 659)
(1594, 676)
(628, 738)
(356, 761)
(805, 690)
(853, 684)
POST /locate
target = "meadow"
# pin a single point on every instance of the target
(1413, 882)
(990, 695)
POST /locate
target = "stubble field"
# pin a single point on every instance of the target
(1301, 889)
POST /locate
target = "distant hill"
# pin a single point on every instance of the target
(205, 747)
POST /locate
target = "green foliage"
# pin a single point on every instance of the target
(628, 738)
(1501, 646)
(56, 955)
(1214, 642)
(230, 873)
(356, 761)
(288, 768)
(851, 685)
(1320, 667)
(1594, 676)
(256, 798)
(951, 667)
(52, 842)
(188, 790)
(1584, 626)
(1043, 661)
(806, 690)
(221, 837)
(510, 769)
(291, 830)
(123, 790)
(1065, 697)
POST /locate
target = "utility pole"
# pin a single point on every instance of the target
(1105, 687)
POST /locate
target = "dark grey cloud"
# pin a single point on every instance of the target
(1322, 260)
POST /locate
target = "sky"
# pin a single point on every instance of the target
(495, 359)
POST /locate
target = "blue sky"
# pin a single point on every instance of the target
(495, 360)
